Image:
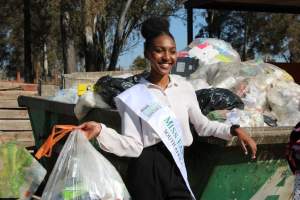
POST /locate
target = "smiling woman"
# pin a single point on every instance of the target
(160, 50)
(156, 115)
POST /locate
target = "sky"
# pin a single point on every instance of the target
(178, 29)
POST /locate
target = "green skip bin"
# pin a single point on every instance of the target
(217, 170)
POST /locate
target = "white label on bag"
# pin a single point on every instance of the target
(161, 119)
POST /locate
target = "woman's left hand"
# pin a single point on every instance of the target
(246, 140)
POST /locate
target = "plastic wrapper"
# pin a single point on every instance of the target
(217, 99)
(20, 173)
(82, 173)
(284, 100)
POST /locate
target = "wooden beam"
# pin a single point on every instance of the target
(13, 94)
(24, 138)
(9, 84)
(9, 103)
(11, 125)
(13, 114)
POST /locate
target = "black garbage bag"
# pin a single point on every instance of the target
(108, 87)
(218, 99)
(271, 121)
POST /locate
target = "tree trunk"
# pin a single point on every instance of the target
(210, 16)
(88, 24)
(45, 65)
(118, 42)
(28, 69)
(90, 54)
(69, 54)
(115, 54)
(101, 30)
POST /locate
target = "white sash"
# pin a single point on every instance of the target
(160, 118)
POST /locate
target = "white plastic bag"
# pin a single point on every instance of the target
(284, 100)
(88, 101)
(211, 50)
(82, 173)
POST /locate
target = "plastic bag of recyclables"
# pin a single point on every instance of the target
(251, 80)
(210, 51)
(20, 173)
(284, 99)
(68, 95)
(80, 172)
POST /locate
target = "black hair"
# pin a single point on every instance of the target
(154, 27)
(295, 134)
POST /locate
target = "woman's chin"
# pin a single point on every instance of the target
(165, 71)
(161, 71)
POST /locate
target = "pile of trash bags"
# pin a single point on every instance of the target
(270, 95)
(251, 93)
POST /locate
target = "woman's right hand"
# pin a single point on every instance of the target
(90, 129)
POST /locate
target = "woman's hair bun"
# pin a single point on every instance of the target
(154, 26)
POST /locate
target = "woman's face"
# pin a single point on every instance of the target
(162, 55)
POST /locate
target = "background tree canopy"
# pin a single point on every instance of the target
(275, 36)
(72, 35)
(64, 36)
(139, 63)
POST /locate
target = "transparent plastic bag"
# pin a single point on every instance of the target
(284, 100)
(82, 173)
(66, 95)
(211, 51)
(221, 75)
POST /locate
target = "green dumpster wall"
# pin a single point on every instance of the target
(216, 169)
(218, 172)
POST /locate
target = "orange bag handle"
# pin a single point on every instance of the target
(58, 132)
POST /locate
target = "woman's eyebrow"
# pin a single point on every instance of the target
(163, 46)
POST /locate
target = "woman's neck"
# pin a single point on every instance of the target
(161, 81)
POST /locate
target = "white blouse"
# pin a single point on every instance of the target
(137, 134)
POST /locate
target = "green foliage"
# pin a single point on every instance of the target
(103, 46)
(115, 43)
(11, 34)
(294, 38)
(139, 63)
(256, 34)
(14, 161)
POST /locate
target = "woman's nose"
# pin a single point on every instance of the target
(166, 56)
